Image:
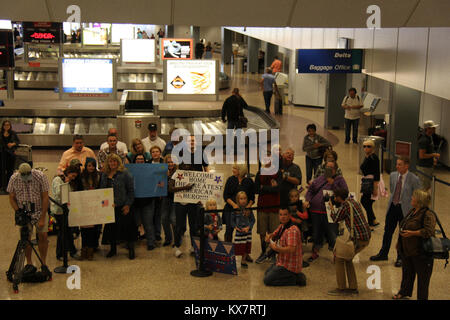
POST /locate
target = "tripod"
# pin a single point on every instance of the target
(16, 270)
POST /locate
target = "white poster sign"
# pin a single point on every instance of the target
(138, 50)
(191, 77)
(206, 186)
(91, 207)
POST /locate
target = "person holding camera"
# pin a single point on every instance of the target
(314, 145)
(340, 211)
(286, 241)
(30, 186)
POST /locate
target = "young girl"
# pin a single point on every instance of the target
(298, 213)
(213, 222)
(90, 179)
(242, 221)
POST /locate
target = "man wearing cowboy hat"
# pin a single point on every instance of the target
(427, 157)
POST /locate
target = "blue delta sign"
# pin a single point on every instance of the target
(329, 60)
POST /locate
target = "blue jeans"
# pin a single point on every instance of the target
(349, 123)
(146, 215)
(168, 218)
(280, 276)
(311, 166)
(267, 97)
(192, 211)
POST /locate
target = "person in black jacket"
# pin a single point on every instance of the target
(8, 145)
(233, 108)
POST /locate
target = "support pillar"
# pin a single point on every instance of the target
(252, 55)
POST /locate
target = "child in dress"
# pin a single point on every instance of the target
(242, 221)
(213, 221)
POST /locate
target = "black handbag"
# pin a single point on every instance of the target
(367, 185)
(435, 247)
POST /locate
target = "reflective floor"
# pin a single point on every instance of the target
(158, 274)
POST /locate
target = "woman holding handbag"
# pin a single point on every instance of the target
(351, 212)
(418, 225)
(369, 183)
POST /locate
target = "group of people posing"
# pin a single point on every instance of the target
(284, 222)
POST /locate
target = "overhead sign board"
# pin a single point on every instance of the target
(329, 60)
(138, 50)
(42, 32)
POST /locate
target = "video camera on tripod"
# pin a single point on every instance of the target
(23, 215)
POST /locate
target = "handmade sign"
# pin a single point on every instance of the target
(206, 186)
(219, 256)
(150, 179)
(91, 207)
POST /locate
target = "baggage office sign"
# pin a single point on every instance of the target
(219, 256)
(91, 207)
(207, 185)
(329, 60)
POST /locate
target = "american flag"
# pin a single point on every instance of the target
(104, 203)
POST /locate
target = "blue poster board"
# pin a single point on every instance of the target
(329, 60)
(219, 256)
(150, 179)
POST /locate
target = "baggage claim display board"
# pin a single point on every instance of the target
(191, 79)
(87, 79)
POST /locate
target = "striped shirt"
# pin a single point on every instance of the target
(290, 238)
(361, 227)
(30, 191)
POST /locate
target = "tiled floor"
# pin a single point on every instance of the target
(159, 275)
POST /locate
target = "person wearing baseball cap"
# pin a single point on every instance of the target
(28, 189)
(427, 157)
(153, 139)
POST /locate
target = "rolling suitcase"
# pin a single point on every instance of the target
(278, 106)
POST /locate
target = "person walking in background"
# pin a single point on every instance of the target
(8, 145)
(419, 224)
(427, 158)
(370, 169)
(199, 49)
(402, 184)
(276, 65)
(266, 83)
(233, 108)
(314, 145)
(208, 51)
(352, 104)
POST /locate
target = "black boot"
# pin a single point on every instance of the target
(131, 254)
(113, 251)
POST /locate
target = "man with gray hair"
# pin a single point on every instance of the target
(28, 189)
(291, 173)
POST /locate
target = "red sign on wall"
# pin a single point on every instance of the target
(403, 148)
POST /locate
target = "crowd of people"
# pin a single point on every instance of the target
(284, 223)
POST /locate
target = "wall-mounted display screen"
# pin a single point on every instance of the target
(138, 50)
(95, 36)
(191, 77)
(90, 76)
(121, 31)
(42, 32)
(5, 24)
(6, 49)
(176, 48)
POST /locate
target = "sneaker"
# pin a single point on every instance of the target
(249, 259)
(29, 268)
(261, 258)
(167, 243)
(352, 291)
(338, 292)
(398, 263)
(244, 265)
(305, 264)
(178, 253)
(313, 257)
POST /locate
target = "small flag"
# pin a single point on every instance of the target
(104, 203)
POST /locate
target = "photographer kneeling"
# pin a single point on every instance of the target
(28, 191)
(286, 240)
(361, 237)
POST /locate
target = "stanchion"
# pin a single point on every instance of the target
(63, 268)
(433, 190)
(201, 272)
(3, 172)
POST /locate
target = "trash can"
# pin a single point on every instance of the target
(238, 66)
(378, 149)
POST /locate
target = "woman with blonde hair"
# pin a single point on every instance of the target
(418, 225)
(370, 169)
(137, 148)
(234, 184)
(124, 228)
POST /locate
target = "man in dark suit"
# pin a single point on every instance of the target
(402, 184)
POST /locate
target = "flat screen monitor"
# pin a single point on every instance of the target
(95, 36)
(87, 78)
(176, 49)
(191, 77)
(121, 31)
(138, 50)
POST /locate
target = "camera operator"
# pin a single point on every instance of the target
(287, 271)
(340, 211)
(30, 186)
